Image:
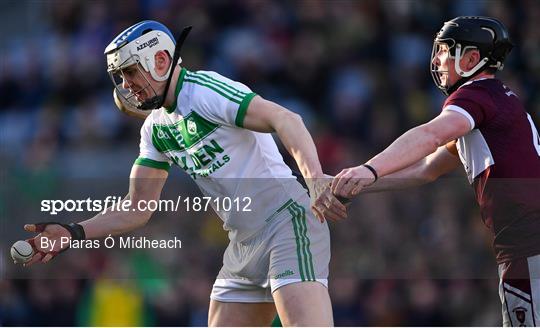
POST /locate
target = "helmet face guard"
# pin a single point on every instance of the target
(131, 54)
(485, 34)
(440, 77)
(123, 78)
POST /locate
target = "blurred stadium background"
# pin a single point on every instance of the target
(357, 71)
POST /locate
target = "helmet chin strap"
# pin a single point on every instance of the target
(157, 101)
(465, 76)
(460, 82)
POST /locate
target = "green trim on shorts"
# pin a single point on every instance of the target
(305, 258)
(309, 257)
(298, 244)
(284, 206)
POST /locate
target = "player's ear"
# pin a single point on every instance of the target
(162, 62)
(473, 58)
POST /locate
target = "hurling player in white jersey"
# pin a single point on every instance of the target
(218, 131)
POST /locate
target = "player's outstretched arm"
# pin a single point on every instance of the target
(145, 185)
(407, 150)
(426, 170)
(266, 116)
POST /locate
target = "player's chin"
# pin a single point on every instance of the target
(140, 97)
(444, 79)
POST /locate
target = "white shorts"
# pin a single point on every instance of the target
(294, 247)
(519, 289)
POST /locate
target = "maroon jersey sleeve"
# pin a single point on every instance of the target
(475, 100)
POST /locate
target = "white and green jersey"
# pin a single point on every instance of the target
(203, 134)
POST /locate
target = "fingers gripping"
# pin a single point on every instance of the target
(76, 232)
(327, 206)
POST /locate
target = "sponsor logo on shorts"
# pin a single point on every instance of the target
(284, 274)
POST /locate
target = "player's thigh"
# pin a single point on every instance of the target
(519, 289)
(304, 303)
(240, 314)
(300, 248)
(299, 269)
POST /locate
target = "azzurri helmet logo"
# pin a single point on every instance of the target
(150, 43)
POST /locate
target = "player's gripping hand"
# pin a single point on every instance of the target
(349, 182)
(324, 204)
(50, 234)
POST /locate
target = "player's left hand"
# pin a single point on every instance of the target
(349, 182)
(323, 203)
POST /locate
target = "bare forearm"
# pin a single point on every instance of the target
(406, 178)
(421, 141)
(114, 222)
(298, 142)
(416, 144)
(408, 149)
(424, 171)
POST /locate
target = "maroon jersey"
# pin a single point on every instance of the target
(501, 156)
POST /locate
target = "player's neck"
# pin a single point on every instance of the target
(170, 98)
(483, 76)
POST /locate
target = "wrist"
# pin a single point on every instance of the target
(76, 230)
(373, 172)
(318, 176)
(313, 174)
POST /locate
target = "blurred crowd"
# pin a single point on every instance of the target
(357, 72)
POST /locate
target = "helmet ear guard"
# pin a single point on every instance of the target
(157, 101)
(475, 69)
(148, 57)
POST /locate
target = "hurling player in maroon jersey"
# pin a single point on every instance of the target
(497, 143)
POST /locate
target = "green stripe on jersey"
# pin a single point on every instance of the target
(214, 87)
(223, 85)
(242, 98)
(242, 110)
(151, 163)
